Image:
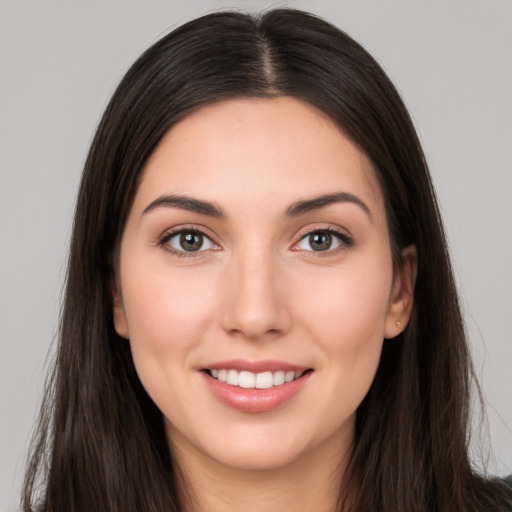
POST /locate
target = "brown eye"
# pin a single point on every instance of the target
(320, 241)
(189, 241)
(324, 240)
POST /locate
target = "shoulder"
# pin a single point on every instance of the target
(508, 484)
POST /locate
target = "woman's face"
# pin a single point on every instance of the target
(257, 251)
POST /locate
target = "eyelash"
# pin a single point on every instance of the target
(163, 242)
(346, 241)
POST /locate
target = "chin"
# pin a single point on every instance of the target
(257, 458)
(241, 447)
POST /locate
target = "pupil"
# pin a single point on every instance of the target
(191, 241)
(320, 241)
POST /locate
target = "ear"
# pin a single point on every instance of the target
(402, 293)
(120, 323)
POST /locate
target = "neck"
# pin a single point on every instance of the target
(311, 483)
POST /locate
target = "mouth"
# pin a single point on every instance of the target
(255, 386)
(250, 380)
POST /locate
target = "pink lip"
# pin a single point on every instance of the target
(255, 400)
(255, 366)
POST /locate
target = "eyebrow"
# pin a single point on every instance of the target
(296, 209)
(317, 203)
(187, 203)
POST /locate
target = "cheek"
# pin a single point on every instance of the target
(166, 313)
(350, 306)
(348, 328)
(345, 315)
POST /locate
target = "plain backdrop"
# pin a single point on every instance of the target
(59, 63)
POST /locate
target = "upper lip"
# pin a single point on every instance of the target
(255, 366)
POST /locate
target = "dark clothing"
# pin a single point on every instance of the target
(508, 482)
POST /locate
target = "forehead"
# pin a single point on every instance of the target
(254, 152)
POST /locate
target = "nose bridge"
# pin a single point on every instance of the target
(256, 305)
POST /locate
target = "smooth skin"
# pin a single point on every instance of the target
(245, 278)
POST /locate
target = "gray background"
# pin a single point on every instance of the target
(60, 61)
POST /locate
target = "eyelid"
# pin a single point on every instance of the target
(344, 238)
(342, 235)
(171, 233)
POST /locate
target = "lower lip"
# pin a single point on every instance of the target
(255, 400)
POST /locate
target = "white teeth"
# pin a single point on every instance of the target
(250, 380)
(278, 378)
(264, 380)
(246, 379)
(232, 378)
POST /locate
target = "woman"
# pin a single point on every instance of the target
(260, 310)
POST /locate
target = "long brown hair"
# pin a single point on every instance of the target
(100, 444)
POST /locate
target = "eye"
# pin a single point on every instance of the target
(322, 240)
(187, 241)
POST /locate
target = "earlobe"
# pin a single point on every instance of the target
(402, 293)
(120, 323)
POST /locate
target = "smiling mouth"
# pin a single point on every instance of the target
(250, 380)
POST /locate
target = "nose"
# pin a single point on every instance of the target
(257, 304)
